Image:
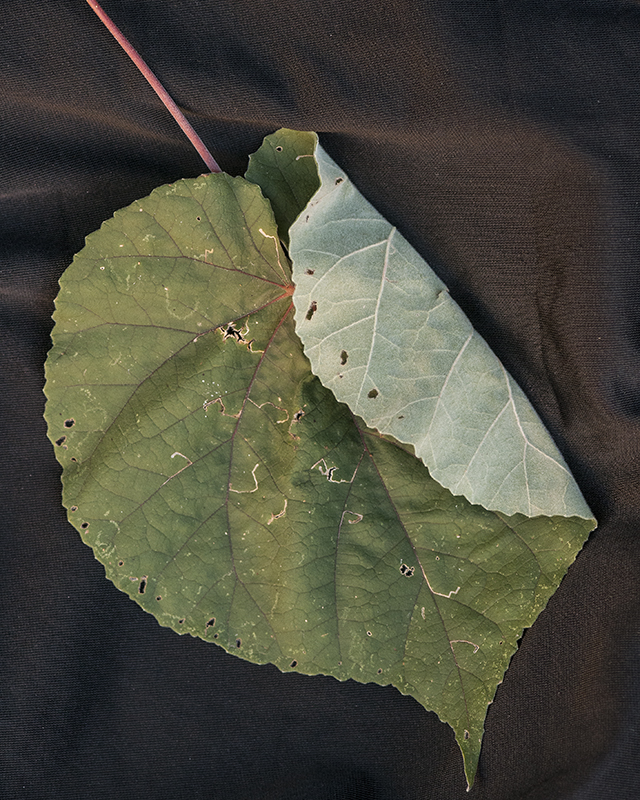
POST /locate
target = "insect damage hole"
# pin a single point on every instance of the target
(142, 588)
(238, 643)
(466, 735)
(210, 623)
(69, 423)
(279, 148)
(293, 664)
(407, 571)
(61, 441)
(343, 357)
(84, 526)
(312, 309)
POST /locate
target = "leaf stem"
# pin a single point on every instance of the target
(158, 88)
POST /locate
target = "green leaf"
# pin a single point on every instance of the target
(228, 493)
(285, 169)
(382, 332)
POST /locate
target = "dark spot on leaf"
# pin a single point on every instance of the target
(379, 672)
(401, 416)
(215, 635)
(238, 643)
(279, 149)
(407, 571)
(466, 735)
(61, 440)
(294, 663)
(211, 623)
(339, 181)
(233, 333)
(309, 271)
(69, 423)
(73, 508)
(84, 526)
(307, 218)
(143, 585)
(343, 357)
(312, 309)
(373, 394)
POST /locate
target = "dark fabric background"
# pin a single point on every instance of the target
(502, 138)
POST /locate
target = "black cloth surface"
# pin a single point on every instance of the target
(502, 138)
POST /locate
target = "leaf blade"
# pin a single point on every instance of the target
(229, 494)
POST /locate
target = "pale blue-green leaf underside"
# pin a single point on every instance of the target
(382, 332)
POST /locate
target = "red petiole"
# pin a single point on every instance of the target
(158, 88)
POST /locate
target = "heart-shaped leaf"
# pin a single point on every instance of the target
(228, 493)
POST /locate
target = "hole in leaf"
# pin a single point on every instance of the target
(279, 148)
(121, 563)
(69, 423)
(369, 633)
(379, 672)
(343, 357)
(373, 394)
(294, 663)
(159, 597)
(215, 635)
(180, 621)
(312, 309)
(233, 333)
(309, 271)
(339, 181)
(238, 643)
(61, 441)
(298, 415)
(74, 459)
(407, 571)
(199, 219)
(73, 508)
(466, 735)
(84, 526)
(211, 623)
(143, 585)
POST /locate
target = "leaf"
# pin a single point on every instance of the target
(228, 493)
(285, 169)
(382, 332)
